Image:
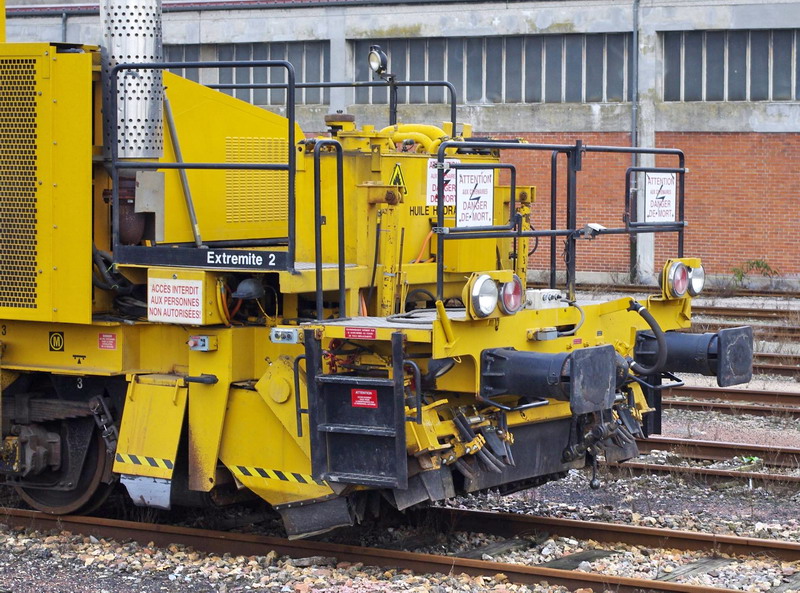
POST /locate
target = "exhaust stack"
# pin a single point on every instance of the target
(132, 35)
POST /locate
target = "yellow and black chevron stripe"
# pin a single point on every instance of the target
(145, 460)
(275, 474)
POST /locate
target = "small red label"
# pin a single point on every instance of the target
(364, 398)
(107, 341)
(360, 333)
(577, 341)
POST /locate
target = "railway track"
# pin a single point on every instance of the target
(559, 572)
(734, 401)
(786, 457)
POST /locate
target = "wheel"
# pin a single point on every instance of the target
(87, 495)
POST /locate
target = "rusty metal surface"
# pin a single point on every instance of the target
(247, 544)
(509, 525)
(697, 449)
(704, 472)
(733, 408)
(756, 396)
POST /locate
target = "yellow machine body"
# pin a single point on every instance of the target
(242, 367)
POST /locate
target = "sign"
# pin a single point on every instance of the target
(172, 300)
(360, 333)
(107, 341)
(660, 197)
(364, 398)
(449, 183)
(56, 340)
(475, 197)
(398, 179)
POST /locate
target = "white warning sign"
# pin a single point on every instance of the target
(449, 183)
(175, 301)
(475, 197)
(660, 200)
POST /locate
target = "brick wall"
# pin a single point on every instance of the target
(742, 199)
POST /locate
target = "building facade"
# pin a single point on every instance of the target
(718, 78)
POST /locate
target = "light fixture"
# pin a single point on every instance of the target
(677, 279)
(697, 280)
(484, 295)
(378, 62)
(511, 296)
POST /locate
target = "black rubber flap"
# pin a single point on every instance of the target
(735, 356)
(592, 379)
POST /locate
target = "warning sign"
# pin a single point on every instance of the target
(449, 183)
(660, 192)
(173, 300)
(364, 398)
(475, 197)
(398, 179)
(107, 341)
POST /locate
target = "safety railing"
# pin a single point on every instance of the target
(513, 229)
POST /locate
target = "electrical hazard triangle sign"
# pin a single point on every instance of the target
(398, 179)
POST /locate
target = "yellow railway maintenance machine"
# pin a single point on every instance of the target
(231, 310)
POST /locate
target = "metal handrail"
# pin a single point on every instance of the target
(290, 167)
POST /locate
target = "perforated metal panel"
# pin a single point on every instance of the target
(18, 183)
(132, 35)
(256, 196)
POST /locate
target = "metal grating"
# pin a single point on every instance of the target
(256, 196)
(18, 183)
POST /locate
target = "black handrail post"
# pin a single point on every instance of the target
(318, 223)
(392, 100)
(553, 214)
(574, 166)
(292, 162)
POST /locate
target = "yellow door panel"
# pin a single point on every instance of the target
(145, 447)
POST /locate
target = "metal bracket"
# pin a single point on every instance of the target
(105, 422)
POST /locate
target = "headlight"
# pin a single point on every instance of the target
(677, 279)
(378, 61)
(697, 280)
(511, 296)
(484, 295)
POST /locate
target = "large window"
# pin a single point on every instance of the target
(311, 61)
(758, 65)
(521, 69)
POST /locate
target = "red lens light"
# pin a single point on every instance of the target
(511, 296)
(679, 279)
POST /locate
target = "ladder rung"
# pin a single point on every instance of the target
(376, 431)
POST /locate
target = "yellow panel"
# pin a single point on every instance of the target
(207, 403)
(147, 448)
(45, 202)
(258, 452)
(213, 127)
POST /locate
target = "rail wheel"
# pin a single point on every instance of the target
(86, 494)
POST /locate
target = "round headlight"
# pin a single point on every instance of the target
(697, 280)
(484, 295)
(678, 279)
(378, 62)
(511, 296)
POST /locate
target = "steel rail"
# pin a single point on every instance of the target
(732, 408)
(639, 467)
(247, 544)
(745, 312)
(508, 525)
(756, 396)
(718, 450)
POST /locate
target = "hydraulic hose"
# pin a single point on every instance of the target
(661, 340)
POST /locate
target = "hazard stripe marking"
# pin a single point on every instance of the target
(276, 474)
(144, 460)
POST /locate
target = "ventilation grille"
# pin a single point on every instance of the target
(18, 208)
(256, 196)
